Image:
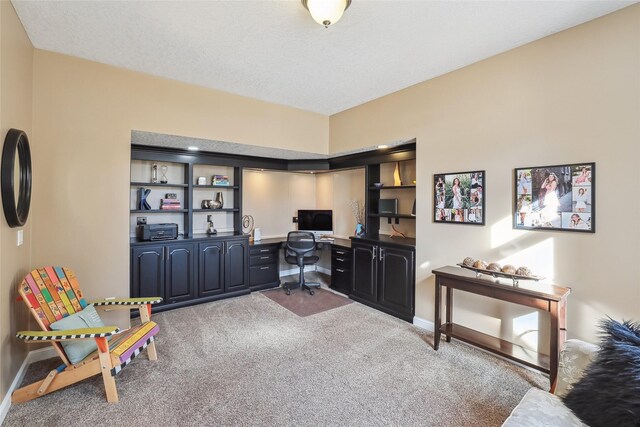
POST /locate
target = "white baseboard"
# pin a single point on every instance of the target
(423, 323)
(32, 356)
(293, 271)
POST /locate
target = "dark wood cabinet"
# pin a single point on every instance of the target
(210, 269)
(384, 277)
(365, 270)
(190, 271)
(341, 269)
(147, 271)
(264, 269)
(236, 265)
(396, 277)
(179, 273)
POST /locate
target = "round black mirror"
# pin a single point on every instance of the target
(15, 182)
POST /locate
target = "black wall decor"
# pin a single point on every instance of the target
(16, 184)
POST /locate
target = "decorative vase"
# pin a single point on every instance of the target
(219, 200)
(397, 179)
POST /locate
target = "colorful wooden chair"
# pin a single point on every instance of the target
(53, 294)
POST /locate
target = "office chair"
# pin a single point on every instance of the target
(299, 251)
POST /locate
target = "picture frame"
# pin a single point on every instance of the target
(464, 205)
(558, 197)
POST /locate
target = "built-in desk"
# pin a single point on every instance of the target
(550, 298)
(264, 262)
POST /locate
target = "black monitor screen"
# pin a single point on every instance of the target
(315, 220)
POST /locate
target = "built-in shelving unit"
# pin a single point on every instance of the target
(182, 174)
(405, 193)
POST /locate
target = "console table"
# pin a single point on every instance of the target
(550, 298)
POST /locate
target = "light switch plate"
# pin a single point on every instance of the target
(19, 238)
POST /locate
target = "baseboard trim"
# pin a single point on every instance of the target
(423, 323)
(32, 357)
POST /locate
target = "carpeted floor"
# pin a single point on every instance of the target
(248, 361)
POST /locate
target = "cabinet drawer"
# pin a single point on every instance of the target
(340, 252)
(263, 249)
(341, 262)
(262, 259)
(261, 274)
(341, 278)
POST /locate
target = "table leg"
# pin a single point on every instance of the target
(448, 308)
(558, 333)
(436, 317)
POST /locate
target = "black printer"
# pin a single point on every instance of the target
(167, 231)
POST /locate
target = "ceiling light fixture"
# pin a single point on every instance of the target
(192, 148)
(383, 146)
(326, 12)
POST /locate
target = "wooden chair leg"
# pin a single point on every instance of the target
(61, 380)
(105, 367)
(145, 316)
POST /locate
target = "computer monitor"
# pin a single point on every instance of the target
(319, 222)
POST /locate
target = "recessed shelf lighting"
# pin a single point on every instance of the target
(383, 146)
(192, 148)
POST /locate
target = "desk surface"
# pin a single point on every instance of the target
(277, 240)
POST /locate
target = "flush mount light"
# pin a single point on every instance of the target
(383, 146)
(192, 148)
(326, 12)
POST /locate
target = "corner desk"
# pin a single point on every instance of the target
(550, 298)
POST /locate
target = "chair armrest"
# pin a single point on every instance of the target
(575, 356)
(127, 301)
(68, 334)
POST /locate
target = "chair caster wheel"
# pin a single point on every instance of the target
(287, 291)
(311, 292)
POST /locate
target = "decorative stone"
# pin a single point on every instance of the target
(494, 266)
(468, 261)
(523, 271)
(509, 269)
(480, 264)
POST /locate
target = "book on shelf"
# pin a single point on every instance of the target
(220, 180)
(170, 207)
(170, 201)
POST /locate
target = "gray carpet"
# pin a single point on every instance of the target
(248, 361)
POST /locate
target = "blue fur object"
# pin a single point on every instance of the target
(609, 392)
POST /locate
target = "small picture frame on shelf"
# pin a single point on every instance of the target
(459, 197)
(559, 197)
(220, 180)
(202, 180)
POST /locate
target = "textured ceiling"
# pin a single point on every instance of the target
(274, 51)
(184, 142)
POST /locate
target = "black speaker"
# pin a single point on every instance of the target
(388, 206)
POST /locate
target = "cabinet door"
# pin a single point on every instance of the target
(236, 265)
(179, 273)
(365, 267)
(396, 279)
(147, 271)
(210, 269)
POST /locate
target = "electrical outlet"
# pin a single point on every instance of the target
(19, 238)
(295, 219)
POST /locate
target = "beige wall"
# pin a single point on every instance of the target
(83, 116)
(16, 75)
(571, 97)
(273, 199)
(336, 191)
